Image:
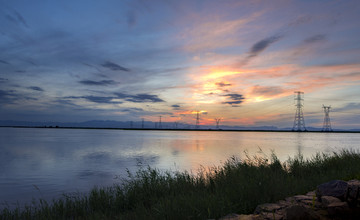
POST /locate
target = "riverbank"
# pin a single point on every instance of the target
(333, 200)
(236, 187)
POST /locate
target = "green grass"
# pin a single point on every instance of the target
(236, 187)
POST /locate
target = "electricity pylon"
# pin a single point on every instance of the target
(217, 120)
(197, 125)
(160, 126)
(299, 122)
(176, 124)
(327, 123)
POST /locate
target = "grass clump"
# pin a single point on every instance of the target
(237, 186)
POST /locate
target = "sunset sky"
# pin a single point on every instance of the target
(241, 61)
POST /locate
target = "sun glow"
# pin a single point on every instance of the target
(216, 74)
(260, 99)
(200, 112)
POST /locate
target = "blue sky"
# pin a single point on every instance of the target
(126, 60)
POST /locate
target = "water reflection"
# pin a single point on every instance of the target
(64, 160)
(299, 144)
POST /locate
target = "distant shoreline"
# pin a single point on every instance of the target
(168, 129)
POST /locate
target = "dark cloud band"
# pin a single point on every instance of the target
(98, 83)
(114, 66)
(139, 97)
(234, 99)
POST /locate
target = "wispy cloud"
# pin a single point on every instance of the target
(139, 97)
(176, 107)
(348, 107)
(214, 33)
(3, 80)
(4, 62)
(131, 18)
(223, 84)
(300, 20)
(234, 99)
(132, 110)
(114, 66)
(267, 91)
(98, 83)
(12, 96)
(17, 18)
(96, 99)
(36, 88)
(315, 38)
(260, 46)
(6, 96)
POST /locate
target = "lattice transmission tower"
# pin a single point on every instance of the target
(327, 123)
(176, 123)
(197, 125)
(299, 122)
(160, 125)
(217, 120)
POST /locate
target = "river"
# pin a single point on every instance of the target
(45, 163)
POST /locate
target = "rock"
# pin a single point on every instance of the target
(339, 200)
(311, 193)
(231, 216)
(267, 207)
(298, 212)
(354, 189)
(354, 182)
(338, 209)
(302, 197)
(249, 217)
(271, 216)
(327, 200)
(283, 203)
(335, 188)
(234, 216)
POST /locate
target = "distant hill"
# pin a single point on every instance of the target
(147, 124)
(125, 124)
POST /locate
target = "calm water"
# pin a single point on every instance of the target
(44, 163)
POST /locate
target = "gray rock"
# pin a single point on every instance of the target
(298, 212)
(354, 189)
(302, 197)
(271, 216)
(234, 216)
(311, 193)
(335, 188)
(328, 200)
(283, 203)
(338, 208)
(249, 217)
(267, 207)
(231, 216)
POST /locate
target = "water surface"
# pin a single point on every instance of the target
(44, 163)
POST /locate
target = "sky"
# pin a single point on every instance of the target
(238, 61)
